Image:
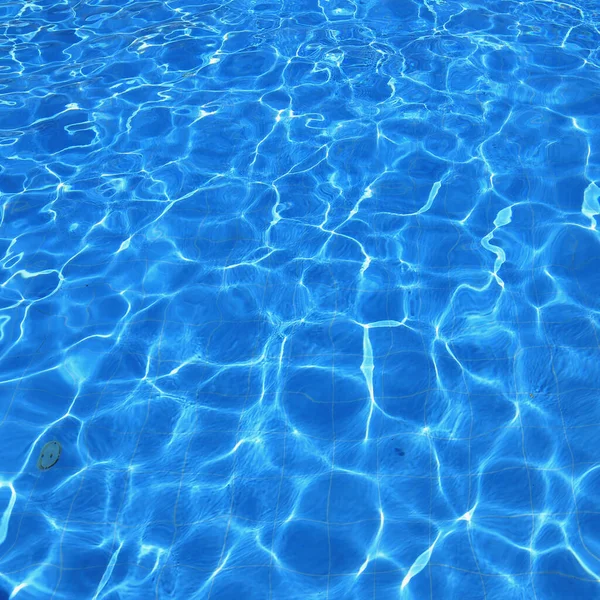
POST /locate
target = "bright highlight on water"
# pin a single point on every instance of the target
(299, 300)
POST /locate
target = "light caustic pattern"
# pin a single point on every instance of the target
(307, 291)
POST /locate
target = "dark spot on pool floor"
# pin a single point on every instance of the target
(49, 455)
(399, 451)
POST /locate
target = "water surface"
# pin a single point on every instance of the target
(307, 291)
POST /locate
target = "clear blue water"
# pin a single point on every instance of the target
(307, 291)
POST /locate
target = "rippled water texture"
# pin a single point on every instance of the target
(308, 293)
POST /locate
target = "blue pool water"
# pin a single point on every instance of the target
(307, 291)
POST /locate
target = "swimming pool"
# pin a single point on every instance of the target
(306, 293)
